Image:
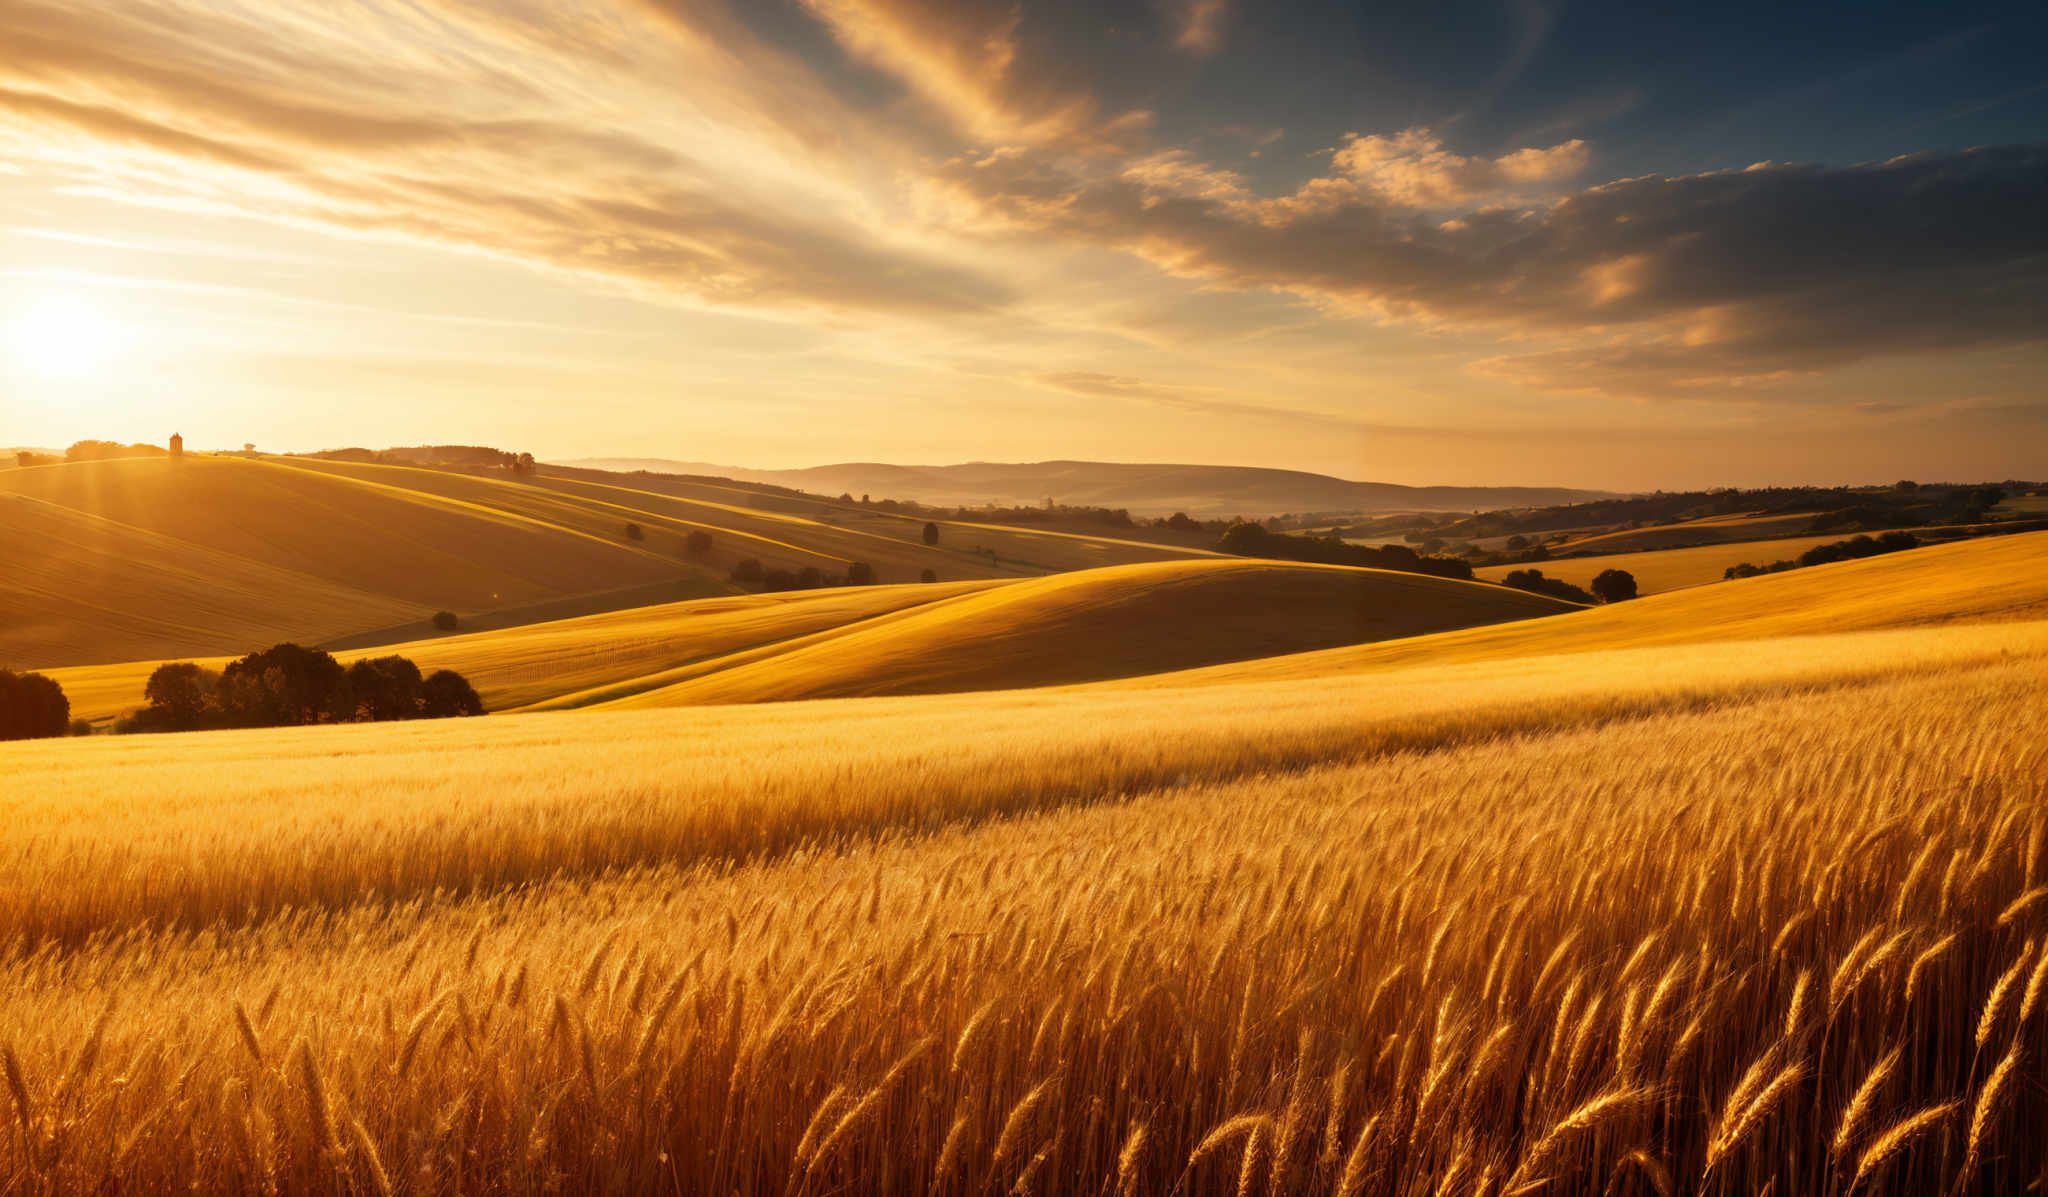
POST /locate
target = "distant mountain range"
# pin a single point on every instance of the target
(1200, 490)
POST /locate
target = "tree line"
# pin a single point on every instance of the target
(1253, 540)
(1823, 554)
(749, 572)
(288, 685)
(1611, 586)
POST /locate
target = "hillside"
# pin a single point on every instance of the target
(1073, 627)
(519, 666)
(1658, 570)
(1108, 623)
(1149, 490)
(143, 558)
(267, 549)
(80, 588)
(1989, 579)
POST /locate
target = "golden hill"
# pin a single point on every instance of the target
(1993, 578)
(149, 557)
(518, 666)
(1095, 624)
(1074, 627)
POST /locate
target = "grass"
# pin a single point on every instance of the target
(1605, 925)
(1658, 570)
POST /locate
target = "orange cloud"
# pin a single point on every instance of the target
(1412, 169)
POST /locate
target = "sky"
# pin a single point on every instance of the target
(1503, 242)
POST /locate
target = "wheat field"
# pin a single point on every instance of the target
(1722, 919)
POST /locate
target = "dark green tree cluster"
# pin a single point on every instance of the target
(1253, 540)
(289, 685)
(32, 706)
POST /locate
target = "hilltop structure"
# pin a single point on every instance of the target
(177, 446)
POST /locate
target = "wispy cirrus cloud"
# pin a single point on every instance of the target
(561, 141)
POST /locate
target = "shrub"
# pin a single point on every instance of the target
(32, 706)
(1614, 585)
(860, 573)
(748, 572)
(81, 727)
(635, 532)
(445, 620)
(931, 533)
(778, 579)
(698, 542)
(928, 576)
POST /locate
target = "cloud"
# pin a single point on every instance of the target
(1199, 25)
(1412, 169)
(1647, 287)
(968, 58)
(549, 133)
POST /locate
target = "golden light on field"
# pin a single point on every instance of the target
(64, 337)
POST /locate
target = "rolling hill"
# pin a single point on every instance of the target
(1152, 490)
(148, 557)
(1989, 579)
(1107, 623)
(977, 635)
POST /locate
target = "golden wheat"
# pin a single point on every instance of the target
(1013, 950)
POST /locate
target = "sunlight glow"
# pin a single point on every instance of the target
(63, 338)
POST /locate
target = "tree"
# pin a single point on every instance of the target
(1246, 540)
(1614, 585)
(860, 573)
(1180, 522)
(635, 532)
(284, 685)
(698, 543)
(810, 577)
(384, 688)
(1907, 484)
(32, 706)
(748, 572)
(929, 575)
(523, 464)
(446, 694)
(445, 620)
(931, 533)
(181, 696)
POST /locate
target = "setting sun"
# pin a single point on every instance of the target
(63, 338)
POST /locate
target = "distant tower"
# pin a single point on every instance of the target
(177, 446)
